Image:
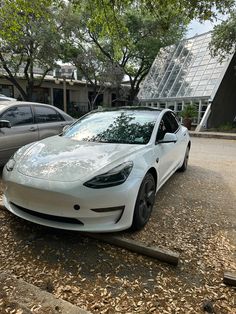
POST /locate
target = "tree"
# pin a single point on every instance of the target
(99, 72)
(130, 33)
(130, 44)
(224, 37)
(29, 39)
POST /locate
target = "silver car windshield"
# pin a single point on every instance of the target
(123, 126)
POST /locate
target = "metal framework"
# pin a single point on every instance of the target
(184, 73)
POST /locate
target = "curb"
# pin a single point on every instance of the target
(18, 296)
(225, 136)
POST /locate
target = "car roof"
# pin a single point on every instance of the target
(17, 102)
(7, 104)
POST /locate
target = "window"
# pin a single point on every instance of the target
(18, 115)
(121, 126)
(46, 115)
(6, 90)
(168, 124)
(179, 106)
(173, 124)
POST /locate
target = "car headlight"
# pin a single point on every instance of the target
(115, 176)
(10, 164)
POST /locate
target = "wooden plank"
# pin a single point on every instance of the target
(164, 255)
(229, 278)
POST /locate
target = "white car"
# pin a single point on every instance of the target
(101, 174)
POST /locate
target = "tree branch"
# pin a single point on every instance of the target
(11, 78)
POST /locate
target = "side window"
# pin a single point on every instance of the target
(162, 129)
(173, 123)
(168, 124)
(46, 115)
(18, 115)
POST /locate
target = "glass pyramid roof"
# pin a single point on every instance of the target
(184, 70)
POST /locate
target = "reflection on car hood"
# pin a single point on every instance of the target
(62, 159)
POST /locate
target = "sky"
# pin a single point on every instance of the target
(196, 28)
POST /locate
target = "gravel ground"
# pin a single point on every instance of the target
(194, 214)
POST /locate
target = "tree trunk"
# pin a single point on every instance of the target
(132, 94)
(29, 91)
(17, 85)
(187, 123)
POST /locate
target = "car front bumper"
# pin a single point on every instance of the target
(71, 205)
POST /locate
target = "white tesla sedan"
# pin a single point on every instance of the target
(101, 174)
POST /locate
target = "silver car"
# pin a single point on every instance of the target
(6, 98)
(25, 122)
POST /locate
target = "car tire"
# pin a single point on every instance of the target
(185, 163)
(144, 202)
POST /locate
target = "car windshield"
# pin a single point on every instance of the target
(123, 126)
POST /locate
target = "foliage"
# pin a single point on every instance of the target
(128, 36)
(224, 37)
(121, 36)
(189, 112)
(125, 129)
(100, 72)
(227, 127)
(29, 40)
(130, 33)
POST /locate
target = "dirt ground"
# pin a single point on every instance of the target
(194, 214)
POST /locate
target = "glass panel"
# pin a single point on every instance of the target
(45, 115)
(123, 126)
(18, 115)
(178, 69)
(6, 90)
(179, 107)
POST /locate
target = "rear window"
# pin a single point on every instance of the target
(46, 115)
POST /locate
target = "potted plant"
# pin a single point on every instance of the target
(188, 113)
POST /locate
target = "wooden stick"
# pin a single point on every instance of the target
(161, 254)
(230, 278)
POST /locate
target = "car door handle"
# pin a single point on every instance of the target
(32, 129)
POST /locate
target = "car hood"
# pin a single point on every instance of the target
(63, 159)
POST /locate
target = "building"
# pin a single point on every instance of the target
(185, 74)
(60, 88)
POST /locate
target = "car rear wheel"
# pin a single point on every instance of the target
(144, 202)
(185, 163)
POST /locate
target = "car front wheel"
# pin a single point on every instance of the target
(144, 202)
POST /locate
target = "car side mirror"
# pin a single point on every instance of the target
(168, 138)
(5, 124)
(65, 128)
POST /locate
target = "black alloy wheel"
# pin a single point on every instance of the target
(144, 203)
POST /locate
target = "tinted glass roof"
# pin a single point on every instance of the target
(184, 70)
